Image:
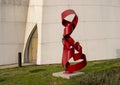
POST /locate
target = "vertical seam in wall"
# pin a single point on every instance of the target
(39, 54)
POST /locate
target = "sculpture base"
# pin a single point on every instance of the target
(67, 76)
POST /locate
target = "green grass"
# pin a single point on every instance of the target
(105, 72)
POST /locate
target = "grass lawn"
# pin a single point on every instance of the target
(106, 72)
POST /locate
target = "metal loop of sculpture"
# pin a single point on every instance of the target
(69, 45)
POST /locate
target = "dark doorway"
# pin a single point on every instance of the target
(30, 55)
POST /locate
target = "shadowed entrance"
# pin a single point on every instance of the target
(32, 53)
(31, 47)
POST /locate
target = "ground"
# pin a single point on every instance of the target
(105, 72)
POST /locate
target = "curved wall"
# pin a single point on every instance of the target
(34, 18)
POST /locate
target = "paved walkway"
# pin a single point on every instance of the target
(14, 65)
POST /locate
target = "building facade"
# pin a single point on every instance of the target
(13, 16)
(34, 28)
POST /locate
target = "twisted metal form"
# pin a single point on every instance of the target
(69, 45)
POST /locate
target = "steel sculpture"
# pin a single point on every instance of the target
(69, 45)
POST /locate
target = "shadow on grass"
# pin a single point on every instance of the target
(1, 80)
(36, 70)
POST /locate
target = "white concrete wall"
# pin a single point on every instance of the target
(13, 14)
(34, 17)
(98, 28)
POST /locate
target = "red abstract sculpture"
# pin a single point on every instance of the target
(69, 45)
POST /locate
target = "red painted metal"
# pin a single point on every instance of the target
(69, 45)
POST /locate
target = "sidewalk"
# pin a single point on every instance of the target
(14, 65)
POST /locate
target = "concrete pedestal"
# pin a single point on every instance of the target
(67, 76)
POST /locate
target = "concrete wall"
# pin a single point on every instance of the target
(13, 14)
(98, 28)
(34, 18)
